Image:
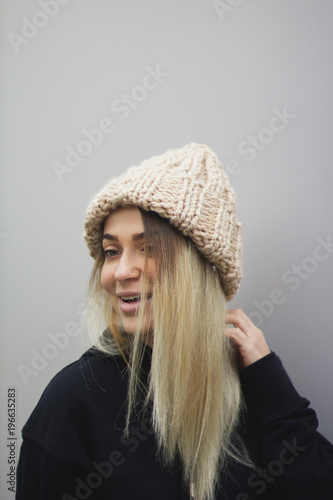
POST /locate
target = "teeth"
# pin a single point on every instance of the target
(134, 298)
(131, 297)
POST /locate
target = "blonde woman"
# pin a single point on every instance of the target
(179, 398)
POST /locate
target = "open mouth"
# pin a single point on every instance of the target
(132, 299)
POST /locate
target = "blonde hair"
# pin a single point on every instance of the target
(193, 384)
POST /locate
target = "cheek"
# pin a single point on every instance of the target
(106, 278)
(151, 271)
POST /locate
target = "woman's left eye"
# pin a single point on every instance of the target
(149, 249)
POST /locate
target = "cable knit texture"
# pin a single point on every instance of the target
(189, 187)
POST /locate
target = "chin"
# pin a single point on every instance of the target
(131, 328)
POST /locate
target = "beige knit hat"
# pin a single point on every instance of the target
(189, 187)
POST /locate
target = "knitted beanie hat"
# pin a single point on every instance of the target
(189, 187)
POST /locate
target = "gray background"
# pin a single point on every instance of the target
(227, 71)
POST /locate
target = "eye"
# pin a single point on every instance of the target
(149, 249)
(110, 253)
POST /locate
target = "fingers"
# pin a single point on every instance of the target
(249, 340)
(238, 318)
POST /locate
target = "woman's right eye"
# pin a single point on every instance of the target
(109, 253)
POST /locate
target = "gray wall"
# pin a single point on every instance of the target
(251, 79)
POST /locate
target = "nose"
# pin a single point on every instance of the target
(129, 267)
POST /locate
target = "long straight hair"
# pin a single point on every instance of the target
(193, 386)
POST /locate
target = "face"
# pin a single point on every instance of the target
(124, 247)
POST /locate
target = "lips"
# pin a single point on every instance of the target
(129, 301)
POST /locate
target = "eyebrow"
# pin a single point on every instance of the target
(111, 237)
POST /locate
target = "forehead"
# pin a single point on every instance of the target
(124, 219)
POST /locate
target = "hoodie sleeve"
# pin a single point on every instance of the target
(41, 476)
(295, 461)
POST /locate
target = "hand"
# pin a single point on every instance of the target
(249, 340)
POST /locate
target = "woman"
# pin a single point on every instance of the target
(179, 397)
